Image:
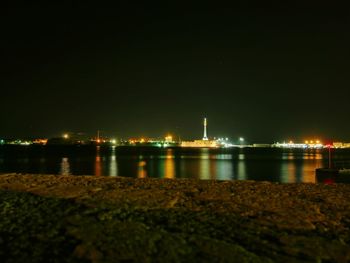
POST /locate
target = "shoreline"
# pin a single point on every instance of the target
(178, 219)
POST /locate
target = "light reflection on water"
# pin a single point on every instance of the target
(65, 166)
(288, 172)
(204, 164)
(142, 172)
(98, 165)
(207, 164)
(169, 171)
(241, 171)
(224, 170)
(113, 168)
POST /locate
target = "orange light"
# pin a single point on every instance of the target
(169, 138)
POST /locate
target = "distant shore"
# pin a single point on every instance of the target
(101, 219)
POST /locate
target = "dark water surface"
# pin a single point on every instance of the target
(261, 164)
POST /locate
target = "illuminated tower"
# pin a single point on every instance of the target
(205, 138)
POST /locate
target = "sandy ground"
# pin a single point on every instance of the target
(113, 219)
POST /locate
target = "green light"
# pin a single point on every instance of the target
(2, 141)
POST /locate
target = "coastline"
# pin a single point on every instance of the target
(102, 219)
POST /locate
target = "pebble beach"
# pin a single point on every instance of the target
(115, 219)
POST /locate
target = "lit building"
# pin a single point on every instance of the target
(200, 144)
(204, 143)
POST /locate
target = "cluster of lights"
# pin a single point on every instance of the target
(315, 144)
(221, 139)
(20, 142)
(98, 140)
(140, 140)
(24, 142)
(312, 142)
(134, 141)
(340, 145)
(224, 142)
(167, 141)
(101, 141)
(40, 141)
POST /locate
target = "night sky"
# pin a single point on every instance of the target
(267, 73)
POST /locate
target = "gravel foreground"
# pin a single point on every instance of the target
(48, 218)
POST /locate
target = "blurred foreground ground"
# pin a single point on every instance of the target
(47, 218)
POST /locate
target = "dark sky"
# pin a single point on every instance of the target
(268, 72)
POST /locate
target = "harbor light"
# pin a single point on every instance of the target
(66, 136)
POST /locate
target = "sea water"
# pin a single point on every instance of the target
(261, 164)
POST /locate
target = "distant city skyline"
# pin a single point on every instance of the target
(264, 72)
(177, 136)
